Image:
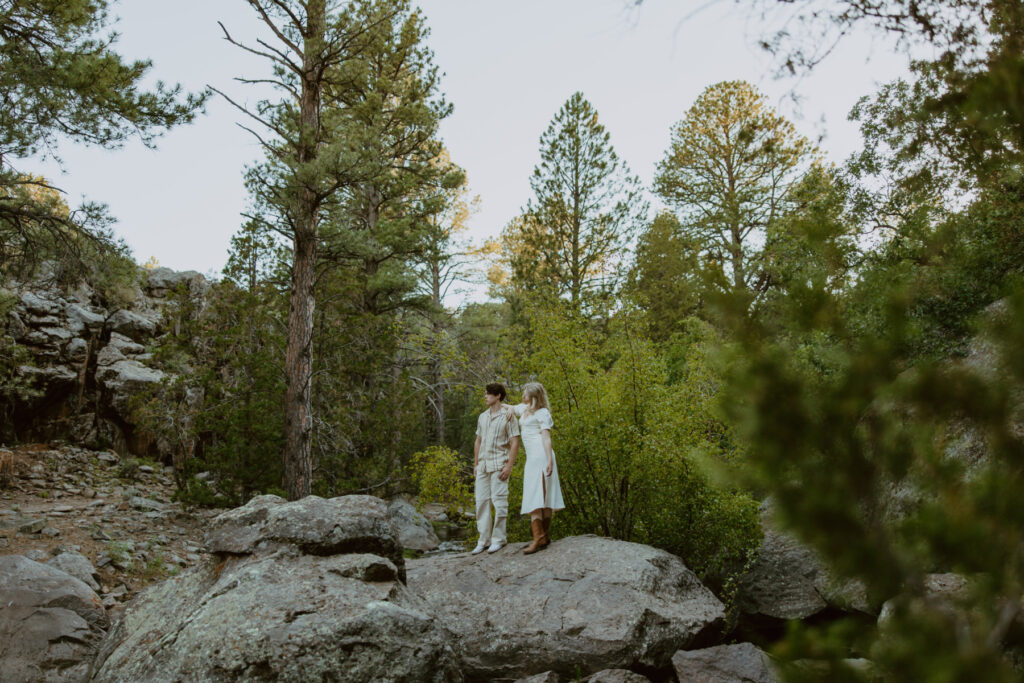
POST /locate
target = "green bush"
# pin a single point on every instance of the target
(628, 443)
(442, 477)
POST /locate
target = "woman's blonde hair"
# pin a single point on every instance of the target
(535, 390)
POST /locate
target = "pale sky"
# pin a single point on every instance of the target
(508, 67)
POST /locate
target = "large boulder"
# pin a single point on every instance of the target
(314, 525)
(77, 565)
(587, 602)
(124, 379)
(788, 580)
(414, 530)
(50, 622)
(298, 591)
(740, 663)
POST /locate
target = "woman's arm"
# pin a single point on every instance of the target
(545, 437)
(517, 410)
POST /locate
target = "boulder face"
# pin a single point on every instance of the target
(50, 622)
(308, 590)
(88, 360)
(741, 663)
(789, 581)
(414, 530)
(314, 525)
(587, 602)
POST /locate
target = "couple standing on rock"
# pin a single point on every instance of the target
(494, 454)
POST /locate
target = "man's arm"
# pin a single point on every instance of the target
(513, 450)
(476, 453)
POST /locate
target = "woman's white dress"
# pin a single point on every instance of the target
(538, 491)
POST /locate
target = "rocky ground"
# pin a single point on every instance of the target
(116, 511)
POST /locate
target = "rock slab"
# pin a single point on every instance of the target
(50, 623)
(294, 594)
(742, 663)
(414, 530)
(587, 602)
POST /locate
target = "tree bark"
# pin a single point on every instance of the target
(298, 454)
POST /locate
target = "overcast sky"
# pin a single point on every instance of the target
(508, 67)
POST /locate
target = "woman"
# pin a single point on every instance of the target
(542, 494)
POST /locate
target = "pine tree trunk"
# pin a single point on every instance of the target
(298, 454)
(298, 459)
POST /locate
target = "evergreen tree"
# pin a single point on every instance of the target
(62, 79)
(729, 171)
(585, 209)
(668, 278)
(336, 139)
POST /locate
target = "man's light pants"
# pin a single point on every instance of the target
(491, 489)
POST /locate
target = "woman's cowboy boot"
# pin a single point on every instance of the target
(546, 520)
(537, 527)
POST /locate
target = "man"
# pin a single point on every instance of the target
(494, 454)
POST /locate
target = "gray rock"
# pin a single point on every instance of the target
(618, 676)
(125, 345)
(84, 317)
(50, 623)
(742, 663)
(32, 526)
(34, 303)
(50, 375)
(132, 325)
(51, 532)
(584, 601)
(124, 379)
(77, 565)
(280, 616)
(788, 580)
(546, 677)
(36, 555)
(56, 334)
(159, 280)
(435, 512)
(76, 350)
(314, 525)
(140, 503)
(414, 530)
(109, 355)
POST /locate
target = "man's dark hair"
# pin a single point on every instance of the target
(496, 389)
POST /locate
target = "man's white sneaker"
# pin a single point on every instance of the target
(496, 546)
(479, 547)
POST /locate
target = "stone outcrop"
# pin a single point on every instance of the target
(50, 622)
(309, 590)
(77, 565)
(313, 525)
(414, 530)
(788, 580)
(88, 359)
(741, 663)
(585, 601)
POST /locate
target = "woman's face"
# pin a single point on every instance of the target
(528, 399)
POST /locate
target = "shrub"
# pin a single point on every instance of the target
(442, 477)
(628, 443)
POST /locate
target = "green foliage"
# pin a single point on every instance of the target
(121, 554)
(728, 172)
(668, 279)
(442, 477)
(220, 411)
(585, 209)
(63, 80)
(16, 386)
(196, 492)
(629, 444)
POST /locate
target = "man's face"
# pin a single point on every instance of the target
(491, 399)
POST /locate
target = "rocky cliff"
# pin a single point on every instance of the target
(88, 358)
